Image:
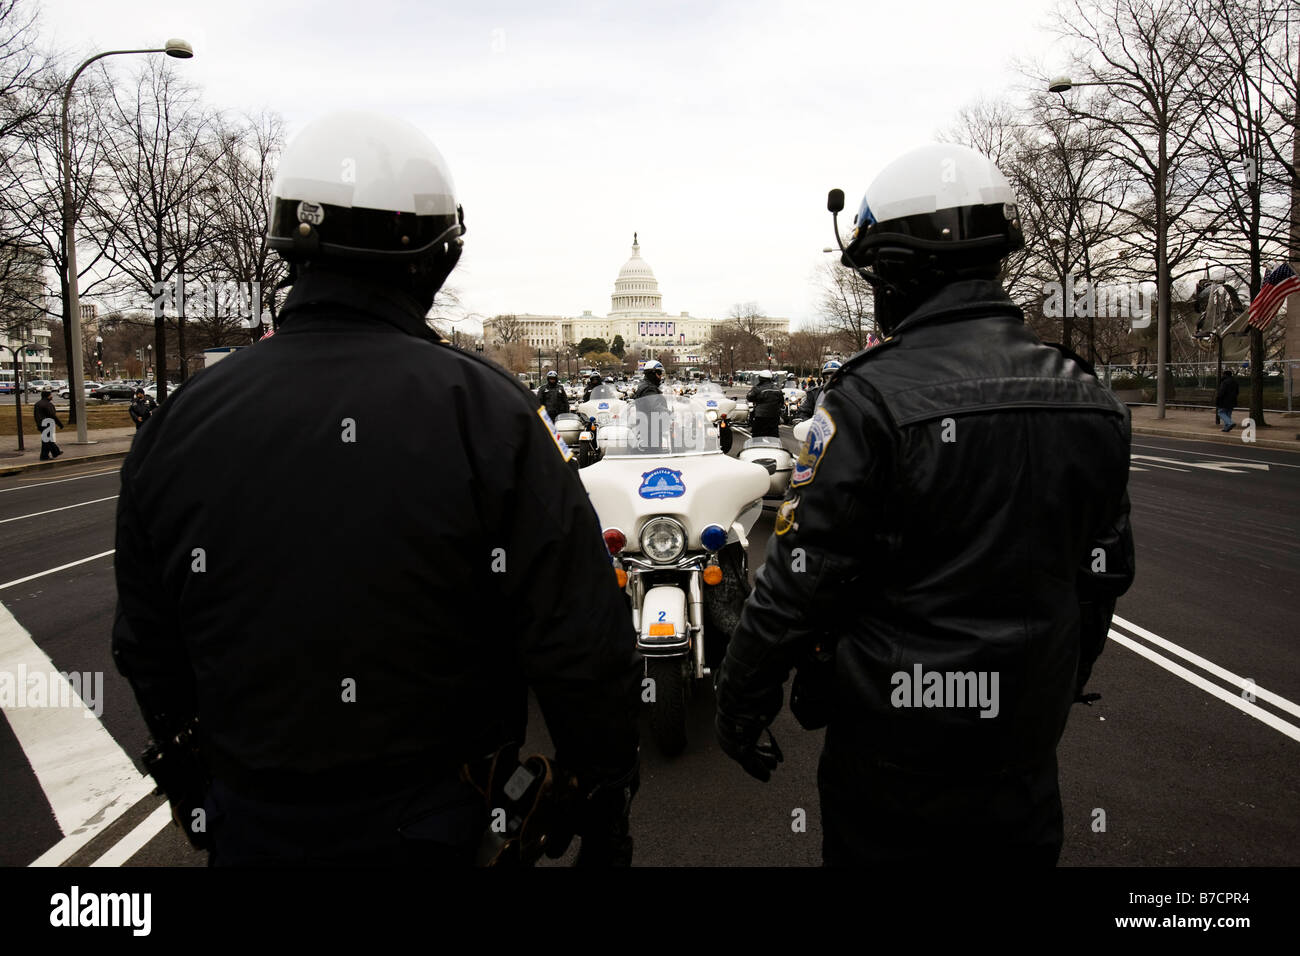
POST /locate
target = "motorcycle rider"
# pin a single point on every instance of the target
(593, 383)
(552, 397)
(949, 600)
(335, 704)
(812, 391)
(765, 402)
(653, 381)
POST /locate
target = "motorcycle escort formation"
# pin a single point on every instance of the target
(717, 406)
(675, 512)
(606, 406)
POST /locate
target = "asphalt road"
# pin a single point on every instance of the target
(1182, 775)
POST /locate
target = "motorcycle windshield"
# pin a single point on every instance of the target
(659, 425)
(605, 393)
(709, 388)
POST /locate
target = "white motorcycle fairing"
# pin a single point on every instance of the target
(698, 490)
(758, 450)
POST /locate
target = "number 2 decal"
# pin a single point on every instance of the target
(662, 615)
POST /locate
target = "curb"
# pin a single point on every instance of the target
(43, 465)
(1222, 438)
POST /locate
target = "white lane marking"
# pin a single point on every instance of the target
(1214, 690)
(59, 481)
(37, 514)
(62, 567)
(1151, 464)
(1210, 667)
(1210, 454)
(1229, 468)
(87, 778)
(133, 842)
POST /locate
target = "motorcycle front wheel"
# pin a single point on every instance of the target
(668, 709)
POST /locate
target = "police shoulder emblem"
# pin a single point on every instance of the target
(820, 432)
(661, 483)
(785, 516)
(565, 451)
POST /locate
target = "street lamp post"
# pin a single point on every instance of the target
(1062, 84)
(18, 405)
(176, 48)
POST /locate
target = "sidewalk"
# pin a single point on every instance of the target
(1282, 430)
(110, 443)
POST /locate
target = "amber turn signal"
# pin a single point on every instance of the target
(621, 576)
(713, 574)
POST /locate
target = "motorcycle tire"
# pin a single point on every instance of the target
(724, 441)
(668, 709)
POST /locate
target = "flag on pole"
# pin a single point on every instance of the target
(1278, 284)
(270, 331)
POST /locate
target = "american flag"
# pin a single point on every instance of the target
(1278, 284)
(270, 331)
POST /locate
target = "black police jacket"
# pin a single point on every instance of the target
(338, 587)
(648, 386)
(959, 510)
(766, 402)
(553, 399)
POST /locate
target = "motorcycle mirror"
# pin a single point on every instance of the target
(835, 201)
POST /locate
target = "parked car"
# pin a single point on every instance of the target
(114, 392)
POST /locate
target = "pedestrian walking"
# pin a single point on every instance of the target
(47, 420)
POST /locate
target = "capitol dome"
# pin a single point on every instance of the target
(636, 290)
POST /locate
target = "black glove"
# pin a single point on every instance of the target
(739, 741)
(602, 819)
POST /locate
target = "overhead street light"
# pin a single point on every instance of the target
(174, 48)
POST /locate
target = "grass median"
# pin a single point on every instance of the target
(110, 415)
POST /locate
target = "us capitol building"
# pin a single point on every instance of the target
(636, 313)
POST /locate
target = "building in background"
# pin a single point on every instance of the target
(636, 313)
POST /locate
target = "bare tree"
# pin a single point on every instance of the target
(506, 329)
(161, 147)
(1249, 180)
(847, 304)
(1151, 59)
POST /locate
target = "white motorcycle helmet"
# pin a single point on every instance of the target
(368, 187)
(936, 214)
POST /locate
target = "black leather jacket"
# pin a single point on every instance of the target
(554, 399)
(766, 401)
(962, 509)
(343, 542)
(648, 386)
(809, 405)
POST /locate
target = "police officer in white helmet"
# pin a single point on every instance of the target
(960, 515)
(331, 608)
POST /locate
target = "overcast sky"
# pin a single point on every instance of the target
(712, 129)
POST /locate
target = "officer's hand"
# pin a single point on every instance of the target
(739, 741)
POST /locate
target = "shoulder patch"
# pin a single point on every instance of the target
(565, 452)
(820, 432)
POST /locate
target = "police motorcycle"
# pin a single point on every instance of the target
(675, 512)
(606, 406)
(792, 400)
(716, 406)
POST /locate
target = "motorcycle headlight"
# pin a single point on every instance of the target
(663, 540)
(713, 416)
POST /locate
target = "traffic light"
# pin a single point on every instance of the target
(769, 351)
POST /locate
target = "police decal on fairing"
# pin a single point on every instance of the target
(661, 483)
(820, 432)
